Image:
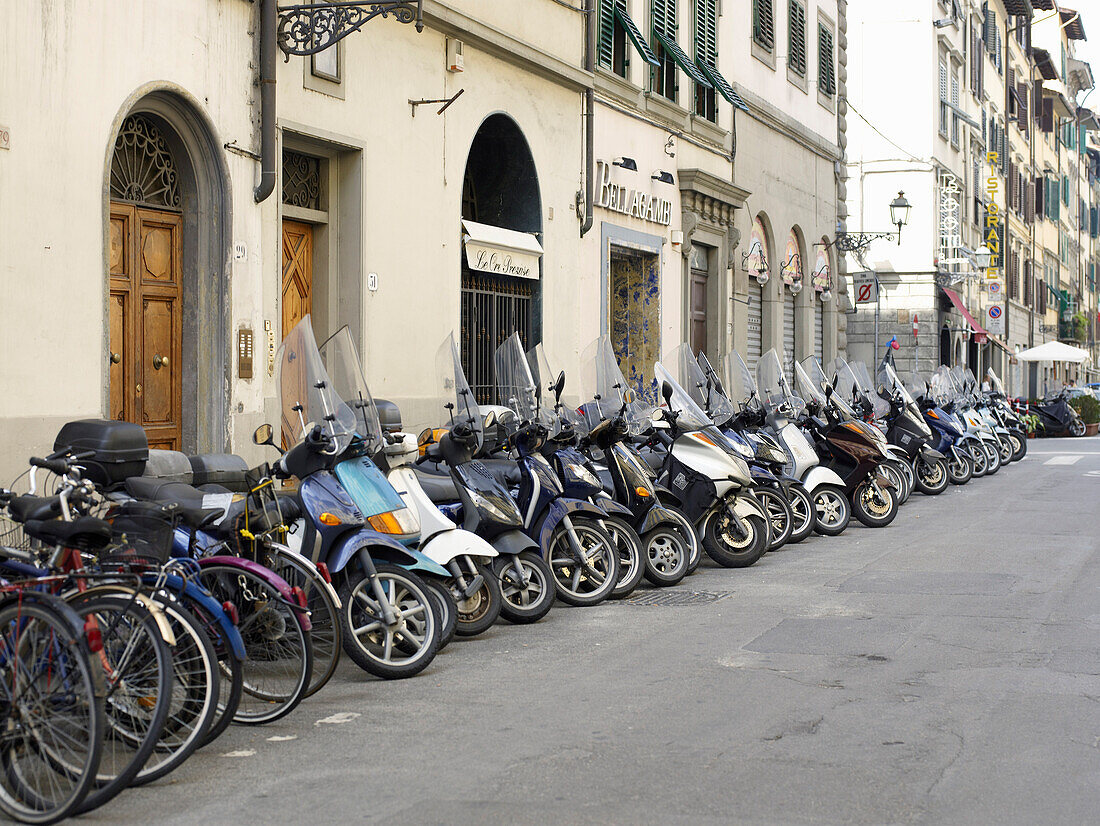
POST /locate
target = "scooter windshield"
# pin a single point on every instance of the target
(349, 381)
(685, 369)
(808, 388)
(455, 393)
(515, 384)
(689, 415)
(847, 385)
(867, 386)
(305, 387)
(720, 406)
(610, 395)
(916, 386)
(771, 382)
(994, 381)
(740, 385)
(888, 379)
(550, 411)
(816, 376)
(942, 387)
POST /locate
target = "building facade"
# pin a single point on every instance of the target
(491, 172)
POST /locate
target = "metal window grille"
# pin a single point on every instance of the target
(493, 307)
(142, 168)
(302, 182)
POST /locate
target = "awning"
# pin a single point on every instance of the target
(501, 251)
(1055, 351)
(1044, 64)
(722, 85)
(682, 60)
(978, 329)
(1000, 344)
(1018, 7)
(636, 37)
(1071, 24)
(1079, 73)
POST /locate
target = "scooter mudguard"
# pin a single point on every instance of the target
(558, 510)
(762, 474)
(380, 547)
(514, 542)
(885, 481)
(820, 475)
(266, 574)
(613, 508)
(446, 545)
(745, 504)
(930, 454)
(658, 515)
(200, 596)
(895, 452)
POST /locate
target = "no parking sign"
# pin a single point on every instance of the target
(995, 319)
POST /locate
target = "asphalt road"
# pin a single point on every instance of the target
(945, 669)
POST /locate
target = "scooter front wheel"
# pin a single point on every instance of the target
(932, 477)
(832, 510)
(779, 515)
(993, 458)
(631, 563)
(1019, 446)
(394, 650)
(725, 545)
(1008, 449)
(961, 468)
(528, 598)
(874, 505)
(1077, 428)
(666, 555)
(695, 547)
(446, 611)
(586, 575)
(980, 460)
(478, 612)
(803, 511)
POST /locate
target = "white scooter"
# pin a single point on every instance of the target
(776, 406)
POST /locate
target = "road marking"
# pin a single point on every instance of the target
(1064, 460)
(1095, 474)
(240, 753)
(338, 718)
(282, 738)
(1060, 453)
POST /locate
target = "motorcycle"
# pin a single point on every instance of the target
(1057, 416)
(908, 430)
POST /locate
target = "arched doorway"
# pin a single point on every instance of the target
(167, 365)
(500, 190)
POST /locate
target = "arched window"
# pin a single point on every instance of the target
(142, 168)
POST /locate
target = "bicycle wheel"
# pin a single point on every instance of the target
(195, 689)
(137, 668)
(279, 655)
(325, 629)
(49, 707)
(230, 674)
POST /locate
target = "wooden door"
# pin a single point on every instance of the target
(297, 287)
(146, 322)
(698, 311)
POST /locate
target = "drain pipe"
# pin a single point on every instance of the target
(589, 117)
(269, 17)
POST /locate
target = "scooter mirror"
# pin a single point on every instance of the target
(559, 385)
(628, 396)
(426, 437)
(829, 388)
(263, 435)
(666, 392)
(490, 419)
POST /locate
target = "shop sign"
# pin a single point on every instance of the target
(501, 251)
(626, 201)
(993, 232)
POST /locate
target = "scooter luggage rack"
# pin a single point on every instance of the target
(264, 521)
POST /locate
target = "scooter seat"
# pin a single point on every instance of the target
(151, 489)
(439, 488)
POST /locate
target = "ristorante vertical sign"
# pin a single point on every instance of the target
(992, 220)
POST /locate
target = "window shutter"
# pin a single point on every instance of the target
(955, 91)
(1047, 120)
(943, 81)
(1094, 222)
(989, 33)
(826, 79)
(763, 23)
(1030, 186)
(1037, 185)
(706, 31)
(664, 18)
(796, 30)
(1010, 184)
(606, 31)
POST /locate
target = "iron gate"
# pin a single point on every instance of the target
(493, 307)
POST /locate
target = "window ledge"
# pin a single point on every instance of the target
(709, 131)
(763, 55)
(828, 101)
(798, 81)
(660, 106)
(618, 87)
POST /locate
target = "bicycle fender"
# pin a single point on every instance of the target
(196, 593)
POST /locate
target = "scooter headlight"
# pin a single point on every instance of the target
(583, 474)
(484, 503)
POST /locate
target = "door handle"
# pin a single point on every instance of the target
(159, 362)
(116, 358)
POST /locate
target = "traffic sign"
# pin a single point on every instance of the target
(995, 322)
(994, 288)
(865, 288)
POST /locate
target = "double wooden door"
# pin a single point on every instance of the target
(146, 321)
(698, 311)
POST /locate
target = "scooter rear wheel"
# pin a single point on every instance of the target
(524, 604)
(803, 511)
(961, 468)
(631, 556)
(932, 477)
(874, 508)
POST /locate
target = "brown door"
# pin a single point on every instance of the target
(297, 292)
(698, 311)
(146, 322)
(297, 298)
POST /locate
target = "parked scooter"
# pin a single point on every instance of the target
(854, 449)
(1000, 407)
(779, 409)
(390, 624)
(465, 556)
(984, 446)
(947, 431)
(1057, 416)
(907, 429)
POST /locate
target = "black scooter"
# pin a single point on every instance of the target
(1056, 415)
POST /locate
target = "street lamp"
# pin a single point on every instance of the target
(982, 256)
(761, 262)
(899, 213)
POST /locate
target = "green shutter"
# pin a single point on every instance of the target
(606, 32)
(706, 31)
(763, 23)
(796, 34)
(664, 18)
(826, 73)
(635, 36)
(722, 85)
(682, 60)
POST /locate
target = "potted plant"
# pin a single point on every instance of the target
(1089, 409)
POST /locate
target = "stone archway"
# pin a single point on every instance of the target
(167, 253)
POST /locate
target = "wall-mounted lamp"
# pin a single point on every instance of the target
(663, 177)
(677, 237)
(943, 22)
(626, 163)
(827, 293)
(795, 286)
(761, 267)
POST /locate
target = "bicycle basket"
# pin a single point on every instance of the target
(141, 531)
